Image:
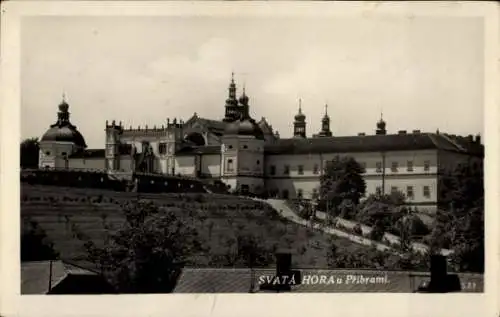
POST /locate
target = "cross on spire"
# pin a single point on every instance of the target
(326, 109)
(300, 105)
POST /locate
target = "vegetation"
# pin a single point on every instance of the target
(35, 245)
(459, 222)
(341, 185)
(29, 153)
(460, 225)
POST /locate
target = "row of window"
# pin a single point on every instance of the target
(410, 194)
(394, 168)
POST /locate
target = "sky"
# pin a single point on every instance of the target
(423, 73)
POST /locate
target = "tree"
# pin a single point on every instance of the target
(35, 245)
(342, 180)
(147, 253)
(29, 153)
(460, 220)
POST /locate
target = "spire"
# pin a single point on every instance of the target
(63, 113)
(381, 125)
(232, 111)
(325, 124)
(299, 126)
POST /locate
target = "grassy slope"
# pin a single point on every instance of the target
(57, 209)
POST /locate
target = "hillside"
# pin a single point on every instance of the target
(218, 218)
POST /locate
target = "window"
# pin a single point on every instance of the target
(363, 166)
(394, 189)
(229, 166)
(287, 170)
(272, 170)
(47, 153)
(258, 162)
(427, 192)
(379, 167)
(409, 166)
(378, 190)
(315, 169)
(427, 165)
(300, 193)
(162, 148)
(394, 167)
(63, 153)
(301, 169)
(230, 147)
(245, 146)
(409, 192)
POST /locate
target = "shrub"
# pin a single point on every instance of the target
(357, 230)
(35, 245)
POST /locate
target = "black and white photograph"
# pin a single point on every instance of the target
(251, 153)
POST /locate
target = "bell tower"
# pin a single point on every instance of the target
(325, 125)
(381, 126)
(232, 109)
(299, 125)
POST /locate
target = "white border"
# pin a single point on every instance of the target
(11, 304)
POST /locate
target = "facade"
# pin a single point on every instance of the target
(250, 156)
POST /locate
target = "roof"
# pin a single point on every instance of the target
(234, 280)
(193, 150)
(214, 126)
(35, 275)
(66, 133)
(124, 149)
(366, 143)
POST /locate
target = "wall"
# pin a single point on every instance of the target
(185, 165)
(211, 164)
(51, 153)
(308, 180)
(87, 163)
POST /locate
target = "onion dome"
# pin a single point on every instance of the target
(63, 130)
(300, 116)
(244, 98)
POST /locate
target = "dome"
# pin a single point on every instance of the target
(244, 99)
(244, 127)
(64, 134)
(300, 116)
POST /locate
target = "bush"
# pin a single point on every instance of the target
(35, 245)
(145, 255)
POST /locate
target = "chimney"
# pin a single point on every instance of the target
(361, 134)
(478, 138)
(416, 131)
(402, 132)
(441, 281)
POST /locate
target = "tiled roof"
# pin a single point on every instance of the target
(35, 275)
(367, 143)
(214, 126)
(200, 280)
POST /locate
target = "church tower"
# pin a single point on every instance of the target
(381, 126)
(232, 109)
(299, 125)
(325, 125)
